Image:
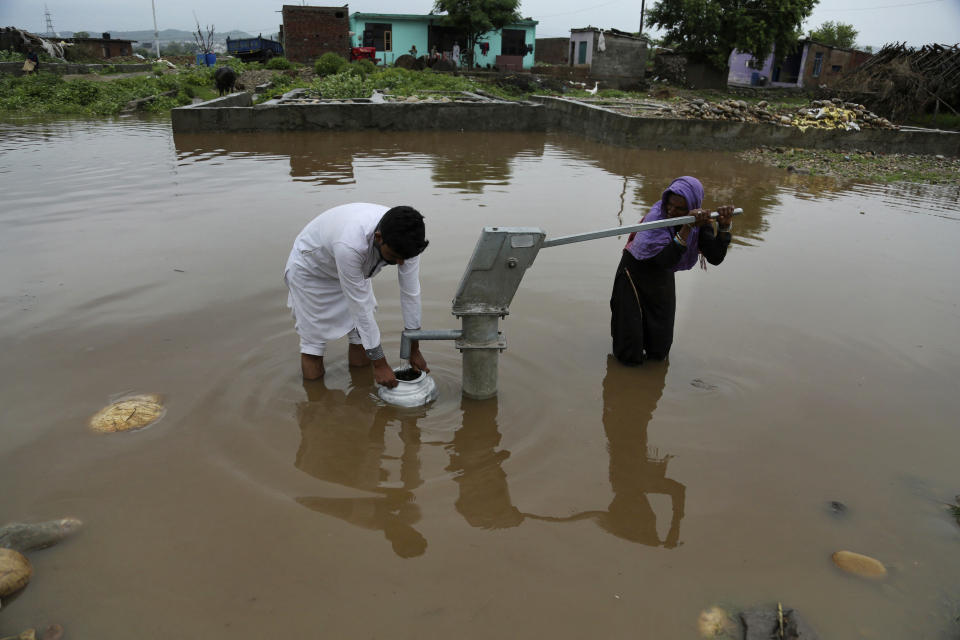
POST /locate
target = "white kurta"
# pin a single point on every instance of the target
(329, 275)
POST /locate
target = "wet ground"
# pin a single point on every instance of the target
(819, 363)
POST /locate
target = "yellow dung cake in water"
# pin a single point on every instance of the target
(128, 414)
(15, 572)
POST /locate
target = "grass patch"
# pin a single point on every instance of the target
(47, 93)
(949, 121)
(8, 55)
(352, 83)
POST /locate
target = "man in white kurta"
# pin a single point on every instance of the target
(329, 276)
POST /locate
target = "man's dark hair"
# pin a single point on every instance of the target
(402, 229)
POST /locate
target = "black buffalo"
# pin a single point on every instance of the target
(226, 79)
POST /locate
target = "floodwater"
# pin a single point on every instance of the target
(818, 363)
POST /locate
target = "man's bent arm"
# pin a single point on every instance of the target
(360, 300)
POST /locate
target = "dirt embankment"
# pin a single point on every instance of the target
(860, 165)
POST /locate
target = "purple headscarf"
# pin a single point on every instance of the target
(649, 243)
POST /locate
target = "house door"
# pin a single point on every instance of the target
(582, 54)
(513, 42)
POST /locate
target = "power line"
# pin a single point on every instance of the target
(889, 6)
(596, 6)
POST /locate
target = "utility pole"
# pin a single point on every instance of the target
(49, 19)
(156, 35)
(642, 3)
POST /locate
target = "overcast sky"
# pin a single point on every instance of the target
(917, 22)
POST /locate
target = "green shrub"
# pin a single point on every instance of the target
(363, 67)
(343, 85)
(404, 82)
(9, 55)
(279, 63)
(329, 64)
(81, 92)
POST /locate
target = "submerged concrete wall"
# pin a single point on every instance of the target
(422, 116)
(236, 113)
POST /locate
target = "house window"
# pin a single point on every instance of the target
(836, 68)
(378, 35)
(817, 65)
(513, 42)
(753, 63)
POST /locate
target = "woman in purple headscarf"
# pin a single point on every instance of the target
(644, 296)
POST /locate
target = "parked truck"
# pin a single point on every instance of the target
(257, 49)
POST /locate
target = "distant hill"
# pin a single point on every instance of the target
(166, 35)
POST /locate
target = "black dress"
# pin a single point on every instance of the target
(644, 301)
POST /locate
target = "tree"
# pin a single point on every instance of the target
(81, 34)
(473, 18)
(709, 30)
(204, 42)
(835, 34)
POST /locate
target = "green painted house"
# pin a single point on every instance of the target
(394, 34)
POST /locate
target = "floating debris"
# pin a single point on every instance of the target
(700, 384)
(128, 414)
(859, 564)
(714, 622)
(835, 507)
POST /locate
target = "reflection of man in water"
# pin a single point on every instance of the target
(630, 395)
(339, 444)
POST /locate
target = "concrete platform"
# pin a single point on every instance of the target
(238, 113)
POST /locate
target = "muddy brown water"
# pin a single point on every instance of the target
(819, 363)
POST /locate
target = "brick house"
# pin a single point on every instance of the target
(309, 32)
(553, 50)
(105, 47)
(812, 64)
(610, 54)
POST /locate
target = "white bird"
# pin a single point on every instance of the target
(593, 91)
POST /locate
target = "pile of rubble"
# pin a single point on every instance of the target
(837, 114)
(820, 114)
(904, 81)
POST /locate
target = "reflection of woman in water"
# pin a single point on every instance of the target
(629, 398)
(339, 444)
(644, 300)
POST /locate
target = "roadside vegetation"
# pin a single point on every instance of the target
(333, 77)
(48, 93)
